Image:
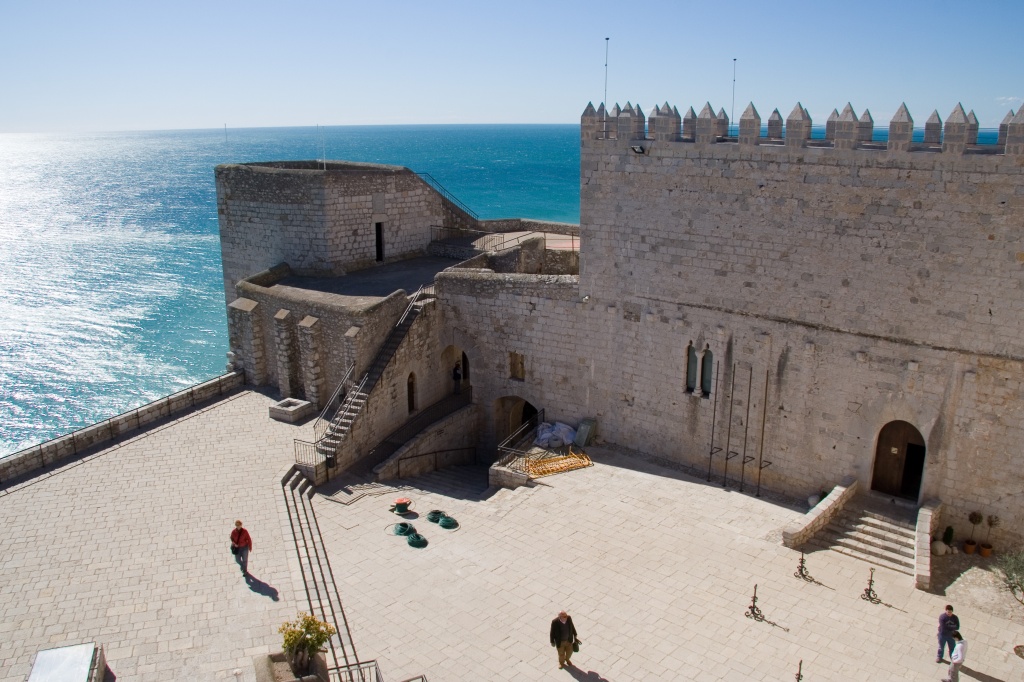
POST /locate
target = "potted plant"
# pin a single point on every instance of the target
(304, 638)
(986, 548)
(975, 518)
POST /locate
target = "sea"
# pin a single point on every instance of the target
(111, 292)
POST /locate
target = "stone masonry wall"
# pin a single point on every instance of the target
(918, 246)
(322, 222)
(828, 393)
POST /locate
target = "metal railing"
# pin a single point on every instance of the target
(418, 678)
(478, 239)
(366, 671)
(509, 454)
(430, 454)
(447, 196)
(404, 433)
(322, 422)
(315, 453)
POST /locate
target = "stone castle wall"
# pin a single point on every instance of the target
(322, 222)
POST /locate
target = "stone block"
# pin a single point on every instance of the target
(292, 410)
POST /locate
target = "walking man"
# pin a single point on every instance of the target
(563, 636)
(957, 658)
(241, 545)
(948, 624)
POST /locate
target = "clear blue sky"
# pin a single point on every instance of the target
(69, 66)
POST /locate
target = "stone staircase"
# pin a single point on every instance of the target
(341, 424)
(870, 530)
(315, 567)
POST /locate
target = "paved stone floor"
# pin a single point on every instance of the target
(129, 547)
(657, 570)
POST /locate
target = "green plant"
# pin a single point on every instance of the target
(975, 518)
(1012, 566)
(303, 638)
(993, 522)
(947, 535)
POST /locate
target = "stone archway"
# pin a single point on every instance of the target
(451, 357)
(511, 412)
(899, 461)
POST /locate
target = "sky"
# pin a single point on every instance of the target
(114, 66)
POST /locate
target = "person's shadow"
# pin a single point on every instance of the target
(260, 587)
(589, 676)
(968, 672)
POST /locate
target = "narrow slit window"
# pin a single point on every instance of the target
(516, 366)
(706, 372)
(691, 368)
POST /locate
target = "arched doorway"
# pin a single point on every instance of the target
(510, 413)
(899, 461)
(452, 357)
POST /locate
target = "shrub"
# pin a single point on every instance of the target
(975, 518)
(304, 637)
(1012, 566)
(947, 536)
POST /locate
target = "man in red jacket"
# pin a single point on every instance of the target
(241, 545)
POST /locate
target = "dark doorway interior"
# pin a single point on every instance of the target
(529, 412)
(899, 461)
(913, 469)
(379, 233)
(465, 369)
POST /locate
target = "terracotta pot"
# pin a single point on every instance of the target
(985, 549)
(969, 546)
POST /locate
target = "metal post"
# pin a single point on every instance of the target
(746, 427)
(605, 101)
(732, 113)
(728, 433)
(764, 416)
(714, 414)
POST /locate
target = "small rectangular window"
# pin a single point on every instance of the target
(516, 366)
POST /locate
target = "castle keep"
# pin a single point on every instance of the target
(766, 306)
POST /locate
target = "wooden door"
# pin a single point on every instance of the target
(895, 474)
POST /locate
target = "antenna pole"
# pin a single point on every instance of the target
(732, 113)
(605, 101)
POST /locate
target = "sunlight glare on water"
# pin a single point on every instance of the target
(111, 290)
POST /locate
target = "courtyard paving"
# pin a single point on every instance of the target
(129, 547)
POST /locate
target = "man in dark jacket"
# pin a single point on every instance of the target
(563, 635)
(948, 624)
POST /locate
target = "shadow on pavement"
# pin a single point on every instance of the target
(974, 674)
(260, 587)
(589, 676)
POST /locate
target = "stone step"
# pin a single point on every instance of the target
(872, 528)
(870, 545)
(898, 566)
(879, 518)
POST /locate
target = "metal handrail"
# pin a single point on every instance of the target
(448, 196)
(433, 454)
(322, 422)
(365, 671)
(513, 457)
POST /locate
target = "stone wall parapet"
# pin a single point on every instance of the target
(803, 529)
(81, 440)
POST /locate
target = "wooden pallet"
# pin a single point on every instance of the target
(557, 464)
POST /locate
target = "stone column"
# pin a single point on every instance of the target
(690, 125)
(954, 134)
(312, 370)
(846, 129)
(865, 127)
(1015, 134)
(775, 126)
(901, 131)
(933, 129)
(284, 339)
(972, 128)
(798, 127)
(750, 126)
(245, 333)
(707, 126)
(1003, 126)
(723, 123)
(830, 125)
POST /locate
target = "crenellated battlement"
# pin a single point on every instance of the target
(844, 130)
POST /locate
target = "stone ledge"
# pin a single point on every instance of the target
(53, 451)
(292, 410)
(928, 517)
(800, 531)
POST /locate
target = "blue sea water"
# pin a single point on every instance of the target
(110, 274)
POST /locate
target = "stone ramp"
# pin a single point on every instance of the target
(871, 530)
